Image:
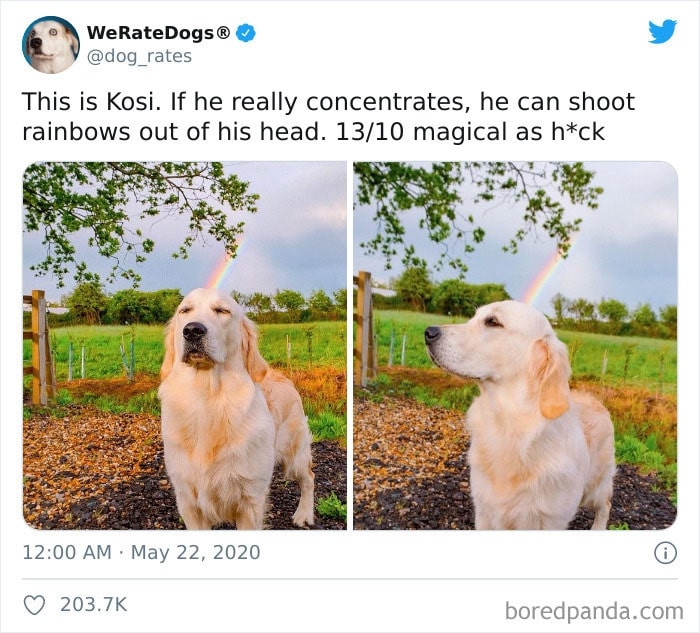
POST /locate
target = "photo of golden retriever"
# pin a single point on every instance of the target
(51, 46)
(538, 449)
(227, 418)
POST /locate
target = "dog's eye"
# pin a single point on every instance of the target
(32, 34)
(185, 309)
(53, 32)
(222, 310)
(492, 322)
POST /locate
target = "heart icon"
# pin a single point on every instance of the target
(34, 604)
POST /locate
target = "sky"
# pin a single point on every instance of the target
(297, 240)
(625, 250)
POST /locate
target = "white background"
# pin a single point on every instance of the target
(357, 581)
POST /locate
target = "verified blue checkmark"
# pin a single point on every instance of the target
(245, 32)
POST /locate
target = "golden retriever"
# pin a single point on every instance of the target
(538, 449)
(227, 418)
(51, 46)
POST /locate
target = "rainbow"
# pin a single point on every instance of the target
(545, 273)
(223, 267)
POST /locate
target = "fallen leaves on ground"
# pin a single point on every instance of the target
(87, 469)
(410, 472)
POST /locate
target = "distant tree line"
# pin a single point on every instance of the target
(290, 306)
(414, 290)
(89, 304)
(611, 316)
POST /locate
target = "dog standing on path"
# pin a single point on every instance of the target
(227, 418)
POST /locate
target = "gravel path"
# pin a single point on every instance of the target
(410, 472)
(86, 469)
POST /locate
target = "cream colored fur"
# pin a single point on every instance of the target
(538, 449)
(51, 46)
(227, 417)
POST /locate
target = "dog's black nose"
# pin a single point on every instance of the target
(35, 42)
(432, 334)
(194, 332)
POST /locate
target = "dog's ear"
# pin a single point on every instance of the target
(550, 373)
(169, 357)
(73, 40)
(255, 364)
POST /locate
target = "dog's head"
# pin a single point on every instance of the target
(208, 330)
(51, 46)
(506, 343)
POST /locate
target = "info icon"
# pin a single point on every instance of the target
(665, 552)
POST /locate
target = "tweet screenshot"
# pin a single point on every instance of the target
(349, 316)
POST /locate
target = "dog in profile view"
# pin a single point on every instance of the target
(538, 449)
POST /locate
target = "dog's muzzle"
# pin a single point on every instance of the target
(432, 336)
(194, 332)
(195, 353)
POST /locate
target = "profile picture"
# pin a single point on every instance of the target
(50, 44)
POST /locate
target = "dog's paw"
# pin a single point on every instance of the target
(303, 517)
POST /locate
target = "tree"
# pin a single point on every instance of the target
(260, 303)
(320, 302)
(644, 315)
(561, 306)
(168, 299)
(87, 302)
(540, 191)
(126, 306)
(110, 203)
(613, 311)
(669, 317)
(488, 293)
(453, 296)
(414, 287)
(134, 306)
(582, 309)
(291, 301)
(240, 298)
(340, 298)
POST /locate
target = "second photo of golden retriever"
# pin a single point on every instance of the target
(515, 346)
(228, 418)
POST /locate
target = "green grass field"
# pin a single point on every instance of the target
(314, 353)
(645, 362)
(635, 377)
(310, 345)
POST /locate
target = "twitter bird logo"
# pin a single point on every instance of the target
(662, 33)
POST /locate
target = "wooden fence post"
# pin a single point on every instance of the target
(42, 369)
(365, 366)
